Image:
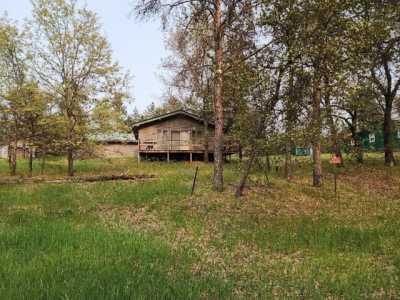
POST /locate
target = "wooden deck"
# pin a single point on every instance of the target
(173, 146)
(167, 149)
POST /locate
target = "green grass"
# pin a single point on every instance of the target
(54, 259)
(150, 239)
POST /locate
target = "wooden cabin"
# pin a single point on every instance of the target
(177, 135)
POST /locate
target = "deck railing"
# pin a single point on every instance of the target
(157, 145)
(197, 145)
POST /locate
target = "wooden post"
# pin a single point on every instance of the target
(336, 160)
(167, 156)
(335, 178)
(194, 181)
(191, 157)
(138, 153)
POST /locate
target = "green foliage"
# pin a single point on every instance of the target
(58, 83)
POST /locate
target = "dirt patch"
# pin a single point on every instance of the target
(137, 218)
(379, 182)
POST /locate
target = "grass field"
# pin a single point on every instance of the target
(151, 240)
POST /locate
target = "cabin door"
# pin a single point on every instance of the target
(185, 139)
(175, 139)
(163, 138)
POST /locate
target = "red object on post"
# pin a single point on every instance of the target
(336, 160)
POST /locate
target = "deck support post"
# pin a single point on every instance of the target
(167, 156)
(191, 157)
(138, 152)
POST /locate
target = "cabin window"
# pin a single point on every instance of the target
(185, 135)
(197, 135)
(175, 135)
(159, 135)
(165, 135)
(372, 138)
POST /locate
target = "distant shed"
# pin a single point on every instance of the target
(301, 151)
(116, 145)
(22, 151)
(373, 140)
(4, 151)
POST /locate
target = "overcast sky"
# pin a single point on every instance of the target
(138, 47)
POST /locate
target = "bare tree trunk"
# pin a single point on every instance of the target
(388, 132)
(43, 162)
(243, 180)
(316, 131)
(30, 162)
(332, 127)
(218, 100)
(359, 150)
(317, 170)
(334, 139)
(359, 153)
(206, 143)
(268, 162)
(290, 119)
(13, 162)
(9, 155)
(288, 160)
(12, 158)
(335, 144)
(70, 157)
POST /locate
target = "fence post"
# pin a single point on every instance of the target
(194, 181)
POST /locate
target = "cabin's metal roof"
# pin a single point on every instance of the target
(169, 115)
(114, 138)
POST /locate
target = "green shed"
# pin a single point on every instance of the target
(301, 151)
(373, 141)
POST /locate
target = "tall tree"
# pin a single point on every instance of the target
(189, 71)
(13, 76)
(258, 115)
(358, 110)
(31, 106)
(220, 15)
(281, 19)
(321, 24)
(376, 42)
(73, 61)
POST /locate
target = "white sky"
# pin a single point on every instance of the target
(138, 47)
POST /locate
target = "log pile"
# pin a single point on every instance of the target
(78, 179)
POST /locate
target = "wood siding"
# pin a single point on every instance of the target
(116, 150)
(176, 134)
